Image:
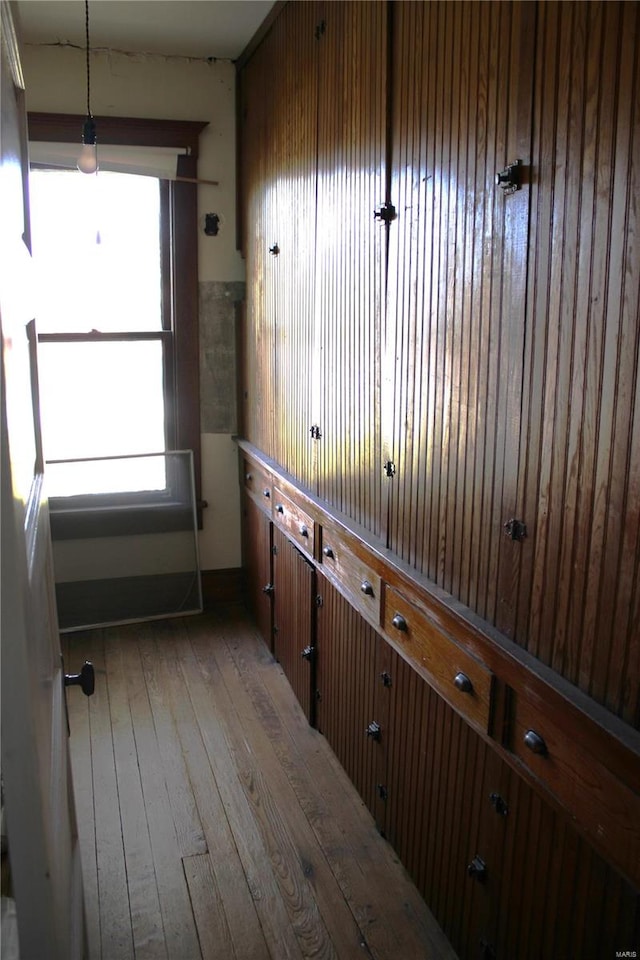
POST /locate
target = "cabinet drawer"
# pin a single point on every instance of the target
(258, 483)
(353, 578)
(293, 521)
(459, 678)
(605, 807)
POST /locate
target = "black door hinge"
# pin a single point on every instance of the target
(389, 469)
(385, 213)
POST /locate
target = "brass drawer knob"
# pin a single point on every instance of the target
(534, 742)
(399, 623)
(366, 588)
(328, 552)
(462, 683)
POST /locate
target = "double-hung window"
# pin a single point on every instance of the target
(116, 258)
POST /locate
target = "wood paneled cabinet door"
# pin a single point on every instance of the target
(293, 622)
(257, 547)
(348, 659)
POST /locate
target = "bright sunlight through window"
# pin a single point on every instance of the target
(97, 255)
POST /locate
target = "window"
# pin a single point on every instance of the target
(127, 351)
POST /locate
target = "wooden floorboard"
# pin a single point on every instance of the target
(214, 823)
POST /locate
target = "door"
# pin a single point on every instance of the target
(38, 797)
(293, 647)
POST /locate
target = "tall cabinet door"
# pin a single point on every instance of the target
(461, 115)
(294, 596)
(257, 544)
(350, 256)
(348, 709)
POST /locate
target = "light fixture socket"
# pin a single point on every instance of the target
(89, 131)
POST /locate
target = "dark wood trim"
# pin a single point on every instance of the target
(260, 33)
(186, 329)
(222, 586)
(125, 131)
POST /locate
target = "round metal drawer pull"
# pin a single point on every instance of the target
(328, 552)
(303, 531)
(366, 588)
(399, 622)
(279, 508)
(266, 492)
(462, 683)
(248, 477)
(535, 743)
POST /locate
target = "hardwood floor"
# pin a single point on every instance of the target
(214, 822)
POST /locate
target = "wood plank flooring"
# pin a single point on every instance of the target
(214, 823)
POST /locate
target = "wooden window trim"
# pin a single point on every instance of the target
(131, 131)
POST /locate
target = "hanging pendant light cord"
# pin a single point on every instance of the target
(86, 17)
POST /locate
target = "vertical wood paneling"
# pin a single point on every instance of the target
(350, 256)
(455, 322)
(346, 684)
(293, 579)
(293, 89)
(279, 118)
(256, 544)
(578, 606)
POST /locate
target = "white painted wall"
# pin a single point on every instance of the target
(169, 88)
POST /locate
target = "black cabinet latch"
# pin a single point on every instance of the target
(385, 213)
(516, 529)
(510, 179)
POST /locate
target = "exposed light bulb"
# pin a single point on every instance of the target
(88, 159)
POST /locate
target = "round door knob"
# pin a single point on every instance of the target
(534, 742)
(462, 683)
(366, 588)
(399, 623)
(86, 679)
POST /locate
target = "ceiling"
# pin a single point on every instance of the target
(185, 28)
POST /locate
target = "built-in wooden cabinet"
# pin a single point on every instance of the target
(441, 377)
(477, 770)
(293, 626)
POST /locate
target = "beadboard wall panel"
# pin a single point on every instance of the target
(457, 268)
(352, 55)
(578, 604)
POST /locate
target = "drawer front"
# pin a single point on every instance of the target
(459, 678)
(259, 484)
(598, 801)
(356, 581)
(293, 521)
